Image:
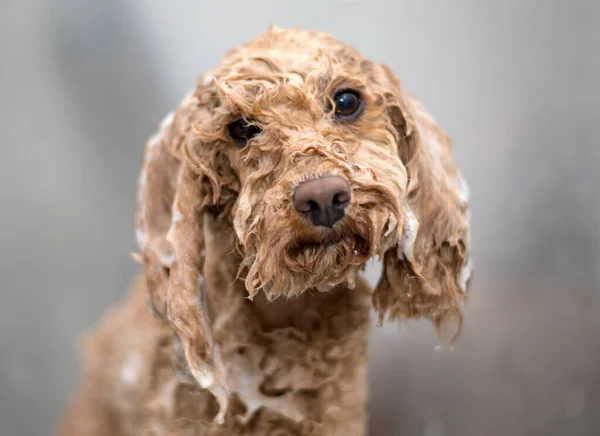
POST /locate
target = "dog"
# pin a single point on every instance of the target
(260, 199)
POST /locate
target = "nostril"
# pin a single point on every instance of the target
(341, 199)
(312, 206)
(303, 206)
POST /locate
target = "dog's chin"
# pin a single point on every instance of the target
(303, 265)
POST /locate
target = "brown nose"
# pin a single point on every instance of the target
(323, 200)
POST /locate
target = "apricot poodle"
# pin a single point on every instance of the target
(286, 169)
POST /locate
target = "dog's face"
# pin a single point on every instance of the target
(298, 129)
(317, 160)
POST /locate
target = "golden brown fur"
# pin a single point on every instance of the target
(260, 320)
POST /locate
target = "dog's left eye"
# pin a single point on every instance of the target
(240, 131)
(348, 105)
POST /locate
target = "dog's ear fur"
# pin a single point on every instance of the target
(427, 273)
(157, 186)
(173, 193)
(156, 192)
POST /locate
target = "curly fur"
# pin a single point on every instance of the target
(222, 243)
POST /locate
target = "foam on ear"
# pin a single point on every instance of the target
(427, 273)
(156, 192)
(169, 215)
(187, 305)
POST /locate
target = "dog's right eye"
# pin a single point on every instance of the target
(241, 131)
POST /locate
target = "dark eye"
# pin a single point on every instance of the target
(348, 105)
(240, 131)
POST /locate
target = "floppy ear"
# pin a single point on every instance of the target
(172, 195)
(156, 194)
(427, 273)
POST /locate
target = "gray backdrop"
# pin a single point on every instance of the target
(514, 83)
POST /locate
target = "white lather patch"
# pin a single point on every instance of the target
(167, 120)
(143, 181)
(463, 193)
(465, 274)
(131, 369)
(141, 238)
(245, 381)
(176, 218)
(207, 80)
(214, 380)
(410, 228)
(167, 260)
(153, 143)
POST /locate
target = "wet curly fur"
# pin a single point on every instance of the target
(260, 320)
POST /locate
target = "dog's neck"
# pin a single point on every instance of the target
(293, 312)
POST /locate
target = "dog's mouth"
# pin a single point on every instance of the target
(329, 256)
(357, 246)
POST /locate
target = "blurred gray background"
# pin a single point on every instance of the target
(515, 83)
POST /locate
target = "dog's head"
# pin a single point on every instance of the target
(317, 160)
(300, 138)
